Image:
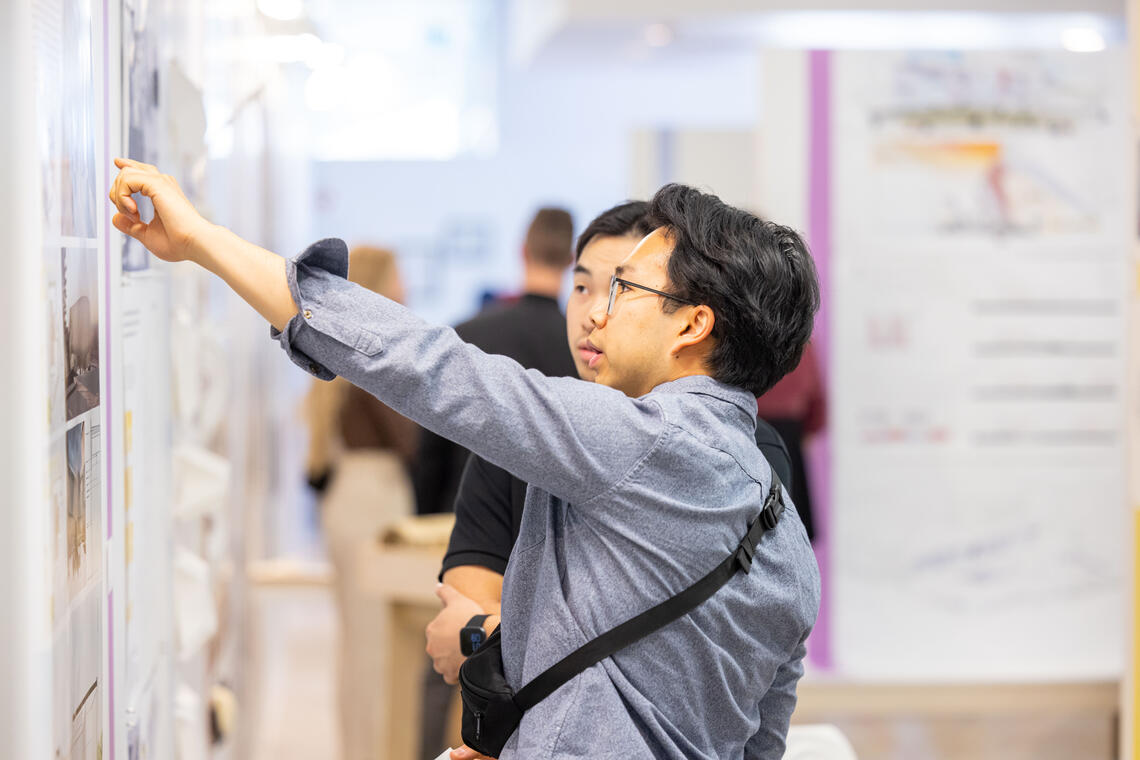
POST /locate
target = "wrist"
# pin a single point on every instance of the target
(203, 244)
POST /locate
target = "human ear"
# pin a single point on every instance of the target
(695, 328)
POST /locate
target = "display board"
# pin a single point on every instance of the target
(104, 521)
(980, 260)
(70, 128)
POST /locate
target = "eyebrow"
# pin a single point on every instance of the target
(579, 269)
(618, 270)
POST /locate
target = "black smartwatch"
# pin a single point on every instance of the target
(472, 635)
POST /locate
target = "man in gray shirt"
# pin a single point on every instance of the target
(640, 483)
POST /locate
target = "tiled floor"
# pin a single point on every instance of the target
(294, 640)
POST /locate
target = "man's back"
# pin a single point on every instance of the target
(531, 330)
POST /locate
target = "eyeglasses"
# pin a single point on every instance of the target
(615, 281)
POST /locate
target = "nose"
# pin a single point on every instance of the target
(598, 316)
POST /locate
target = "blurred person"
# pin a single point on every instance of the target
(638, 482)
(360, 452)
(528, 330)
(489, 505)
(797, 408)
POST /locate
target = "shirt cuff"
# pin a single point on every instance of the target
(318, 281)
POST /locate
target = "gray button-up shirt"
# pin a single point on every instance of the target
(630, 502)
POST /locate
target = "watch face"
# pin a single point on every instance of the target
(471, 637)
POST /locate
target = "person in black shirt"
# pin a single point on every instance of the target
(489, 503)
(528, 330)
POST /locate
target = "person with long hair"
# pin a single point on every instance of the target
(360, 452)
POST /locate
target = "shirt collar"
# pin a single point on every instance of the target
(705, 385)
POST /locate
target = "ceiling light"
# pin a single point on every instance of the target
(282, 10)
(1082, 40)
(658, 35)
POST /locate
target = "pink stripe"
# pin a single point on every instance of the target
(111, 673)
(819, 234)
(106, 362)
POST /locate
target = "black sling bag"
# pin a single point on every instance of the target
(492, 710)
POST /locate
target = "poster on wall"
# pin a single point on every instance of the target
(69, 137)
(141, 33)
(979, 259)
(77, 608)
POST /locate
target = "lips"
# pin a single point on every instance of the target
(589, 353)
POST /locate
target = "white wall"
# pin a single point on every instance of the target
(23, 699)
(566, 138)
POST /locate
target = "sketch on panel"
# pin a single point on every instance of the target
(975, 144)
(978, 359)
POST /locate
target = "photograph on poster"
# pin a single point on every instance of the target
(76, 667)
(140, 54)
(77, 151)
(46, 25)
(80, 722)
(57, 532)
(86, 734)
(80, 287)
(76, 500)
(56, 371)
(51, 181)
(82, 521)
(77, 591)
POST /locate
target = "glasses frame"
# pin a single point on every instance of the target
(615, 280)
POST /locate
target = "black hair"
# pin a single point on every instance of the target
(757, 277)
(624, 219)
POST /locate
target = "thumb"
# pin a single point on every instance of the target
(464, 753)
(447, 594)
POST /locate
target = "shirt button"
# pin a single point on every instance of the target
(308, 314)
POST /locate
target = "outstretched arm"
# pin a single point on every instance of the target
(179, 233)
(570, 438)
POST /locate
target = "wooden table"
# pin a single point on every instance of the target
(404, 580)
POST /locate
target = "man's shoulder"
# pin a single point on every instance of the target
(493, 323)
(531, 331)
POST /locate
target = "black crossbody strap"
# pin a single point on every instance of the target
(598, 649)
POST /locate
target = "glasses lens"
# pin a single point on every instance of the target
(613, 294)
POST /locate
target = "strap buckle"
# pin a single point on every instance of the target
(768, 518)
(744, 554)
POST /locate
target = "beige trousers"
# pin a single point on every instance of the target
(369, 490)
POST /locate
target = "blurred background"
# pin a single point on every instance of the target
(965, 422)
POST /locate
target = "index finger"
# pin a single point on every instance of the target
(122, 199)
(131, 181)
(123, 163)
